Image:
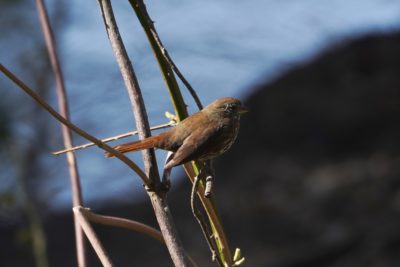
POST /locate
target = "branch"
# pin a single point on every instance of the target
(91, 235)
(122, 223)
(200, 219)
(66, 132)
(125, 223)
(158, 196)
(113, 138)
(155, 40)
(192, 170)
(73, 127)
(166, 70)
(218, 234)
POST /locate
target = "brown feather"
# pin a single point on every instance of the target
(149, 142)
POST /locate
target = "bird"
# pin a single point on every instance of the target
(202, 136)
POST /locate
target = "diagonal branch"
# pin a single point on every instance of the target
(66, 132)
(158, 196)
(73, 127)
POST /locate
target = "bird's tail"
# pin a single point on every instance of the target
(149, 142)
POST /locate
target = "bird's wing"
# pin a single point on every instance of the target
(191, 147)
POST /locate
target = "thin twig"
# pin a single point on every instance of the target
(142, 7)
(158, 196)
(176, 70)
(73, 127)
(66, 132)
(112, 138)
(218, 233)
(91, 235)
(200, 219)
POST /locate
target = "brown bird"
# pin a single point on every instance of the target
(202, 136)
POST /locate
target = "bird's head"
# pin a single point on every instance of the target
(226, 106)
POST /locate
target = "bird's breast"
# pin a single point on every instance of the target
(223, 138)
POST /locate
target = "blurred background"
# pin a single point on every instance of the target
(319, 185)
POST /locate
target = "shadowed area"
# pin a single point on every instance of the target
(315, 175)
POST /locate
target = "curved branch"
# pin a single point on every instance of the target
(122, 223)
(125, 223)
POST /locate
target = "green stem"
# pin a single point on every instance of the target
(166, 70)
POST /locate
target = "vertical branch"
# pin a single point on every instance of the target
(132, 85)
(67, 136)
(158, 196)
(167, 66)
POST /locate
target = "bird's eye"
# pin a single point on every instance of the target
(223, 107)
(229, 107)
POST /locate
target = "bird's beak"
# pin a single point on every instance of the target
(243, 110)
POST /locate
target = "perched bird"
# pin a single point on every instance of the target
(202, 136)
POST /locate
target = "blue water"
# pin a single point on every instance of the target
(222, 47)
